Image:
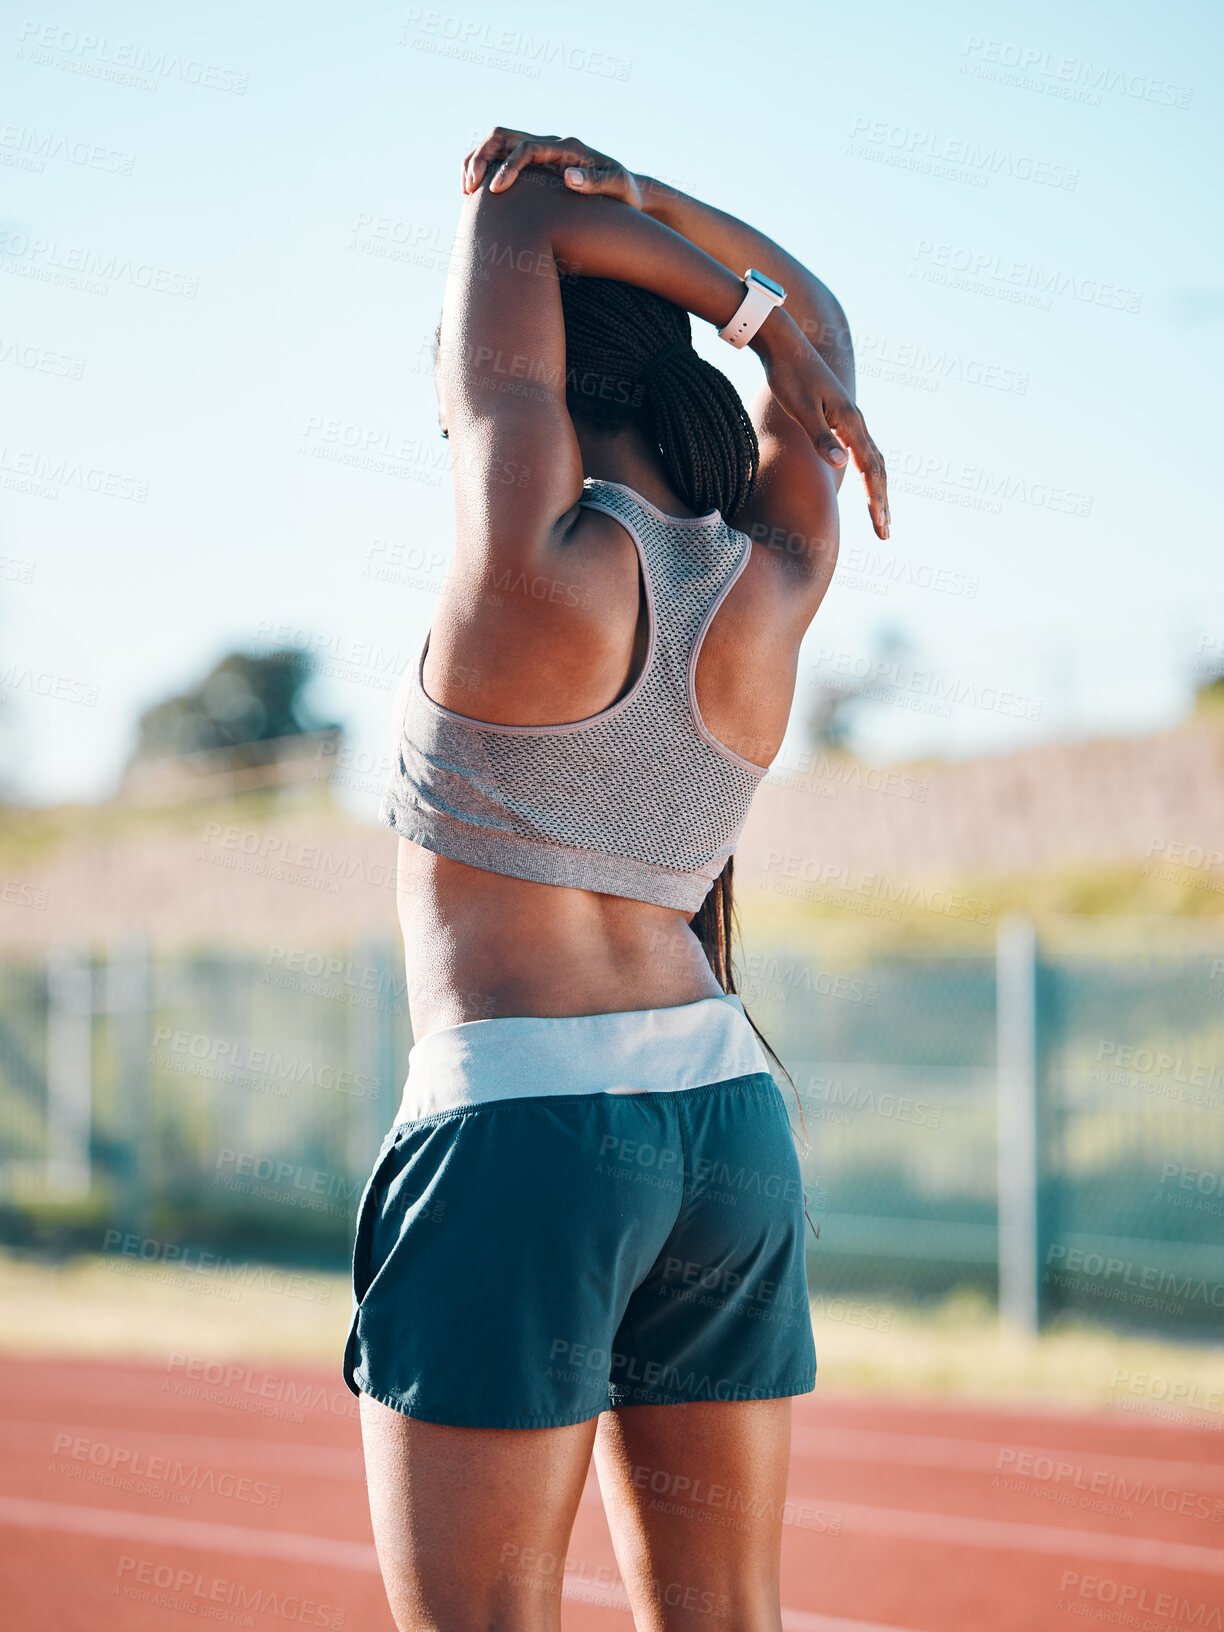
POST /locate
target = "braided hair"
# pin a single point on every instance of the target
(629, 361)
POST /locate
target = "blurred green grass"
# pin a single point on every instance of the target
(1136, 905)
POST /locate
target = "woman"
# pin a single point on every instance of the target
(584, 1232)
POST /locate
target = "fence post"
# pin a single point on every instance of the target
(129, 999)
(1021, 1125)
(372, 1038)
(69, 1069)
(391, 1022)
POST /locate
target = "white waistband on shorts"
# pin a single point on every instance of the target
(638, 1051)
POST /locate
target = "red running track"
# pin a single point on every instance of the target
(159, 1496)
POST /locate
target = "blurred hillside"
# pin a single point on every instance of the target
(1125, 825)
(1155, 797)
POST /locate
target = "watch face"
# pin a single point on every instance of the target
(767, 283)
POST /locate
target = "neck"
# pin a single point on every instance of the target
(627, 457)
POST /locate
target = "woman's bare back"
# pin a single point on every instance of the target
(480, 945)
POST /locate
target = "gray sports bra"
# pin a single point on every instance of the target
(639, 800)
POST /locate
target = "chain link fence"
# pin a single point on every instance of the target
(1043, 1127)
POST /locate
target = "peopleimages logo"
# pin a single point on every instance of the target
(241, 1059)
(624, 1369)
(470, 39)
(29, 148)
(1124, 1272)
(270, 1176)
(955, 156)
(192, 1592)
(1072, 1479)
(1029, 282)
(211, 1267)
(1166, 1606)
(150, 1474)
(1168, 1391)
(259, 1393)
(74, 265)
(98, 56)
(1032, 67)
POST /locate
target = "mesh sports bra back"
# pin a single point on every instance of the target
(639, 800)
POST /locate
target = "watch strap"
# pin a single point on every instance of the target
(755, 307)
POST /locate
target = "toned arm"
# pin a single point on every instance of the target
(737, 245)
(503, 312)
(793, 510)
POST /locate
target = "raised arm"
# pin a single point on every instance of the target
(738, 246)
(796, 496)
(502, 323)
(501, 377)
(795, 502)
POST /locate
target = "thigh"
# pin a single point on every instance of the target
(472, 1524)
(694, 1496)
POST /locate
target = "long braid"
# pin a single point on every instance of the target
(685, 406)
(629, 361)
(716, 926)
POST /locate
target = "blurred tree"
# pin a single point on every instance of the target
(244, 700)
(1210, 694)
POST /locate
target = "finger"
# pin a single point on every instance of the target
(476, 160)
(519, 157)
(496, 145)
(479, 160)
(824, 441)
(591, 179)
(870, 463)
(878, 487)
(545, 150)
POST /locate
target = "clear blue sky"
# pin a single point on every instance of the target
(269, 158)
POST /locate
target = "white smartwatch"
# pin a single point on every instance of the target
(763, 294)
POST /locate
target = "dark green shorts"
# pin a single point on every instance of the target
(531, 1261)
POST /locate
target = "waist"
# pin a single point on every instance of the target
(640, 1051)
(584, 951)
